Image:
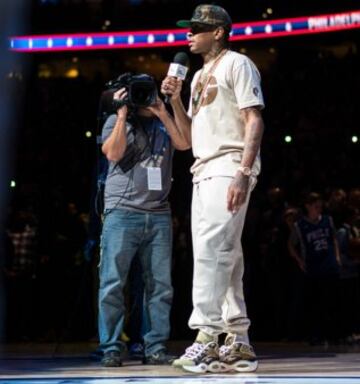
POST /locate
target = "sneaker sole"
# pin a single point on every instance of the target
(240, 366)
(214, 367)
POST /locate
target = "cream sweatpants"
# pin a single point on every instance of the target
(218, 297)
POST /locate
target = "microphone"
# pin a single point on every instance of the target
(178, 68)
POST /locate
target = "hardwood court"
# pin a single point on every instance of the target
(278, 364)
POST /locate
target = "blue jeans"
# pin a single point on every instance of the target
(124, 234)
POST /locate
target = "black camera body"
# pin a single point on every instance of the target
(141, 90)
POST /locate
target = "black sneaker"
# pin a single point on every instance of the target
(159, 358)
(136, 351)
(111, 359)
(97, 354)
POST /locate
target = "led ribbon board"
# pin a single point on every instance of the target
(176, 37)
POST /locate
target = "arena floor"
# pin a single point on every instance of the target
(280, 363)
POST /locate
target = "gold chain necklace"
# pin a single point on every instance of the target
(201, 85)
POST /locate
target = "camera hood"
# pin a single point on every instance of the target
(141, 89)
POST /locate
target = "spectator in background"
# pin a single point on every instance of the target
(349, 297)
(67, 301)
(293, 281)
(354, 204)
(273, 261)
(335, 206)
(314, 246)
(20, 273)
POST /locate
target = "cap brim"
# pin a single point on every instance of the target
(183, 23)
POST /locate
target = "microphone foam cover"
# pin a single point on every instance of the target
(181, 58)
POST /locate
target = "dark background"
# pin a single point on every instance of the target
(311, 89)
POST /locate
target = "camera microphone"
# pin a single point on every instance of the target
(178, 68)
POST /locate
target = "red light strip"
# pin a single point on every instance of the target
(176, 37)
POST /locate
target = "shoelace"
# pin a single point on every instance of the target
(194, 350)
(224, 350)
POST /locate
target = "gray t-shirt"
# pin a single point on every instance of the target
(148, 142)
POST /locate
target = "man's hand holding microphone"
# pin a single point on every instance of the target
(172, 84)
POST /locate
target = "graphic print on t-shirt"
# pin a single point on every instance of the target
(211, 91)
(202, 97)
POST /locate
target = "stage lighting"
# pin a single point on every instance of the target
(72, 73)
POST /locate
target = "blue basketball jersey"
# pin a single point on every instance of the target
(317, 246)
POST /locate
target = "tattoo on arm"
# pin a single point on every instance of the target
(254, 128)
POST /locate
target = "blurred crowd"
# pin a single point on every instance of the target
(51, 276)
(304, 285)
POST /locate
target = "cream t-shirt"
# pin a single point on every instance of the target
(217, 130)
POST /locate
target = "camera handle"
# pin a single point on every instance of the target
(117, 104)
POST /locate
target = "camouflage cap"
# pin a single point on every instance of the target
(209, 15)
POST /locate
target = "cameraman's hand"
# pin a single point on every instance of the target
(171, 86)
(158, 108)
(121, 94)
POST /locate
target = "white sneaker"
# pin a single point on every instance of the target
(200, 358)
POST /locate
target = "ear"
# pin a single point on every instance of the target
(219, 33)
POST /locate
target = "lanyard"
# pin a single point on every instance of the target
(156, 154)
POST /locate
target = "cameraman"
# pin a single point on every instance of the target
(139, 142)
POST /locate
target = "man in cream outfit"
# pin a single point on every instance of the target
(225, 127)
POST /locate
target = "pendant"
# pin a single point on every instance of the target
(197, 93)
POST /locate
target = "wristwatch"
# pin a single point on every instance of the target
(245, 170)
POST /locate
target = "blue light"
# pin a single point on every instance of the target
(46, 2)
(172, 37)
